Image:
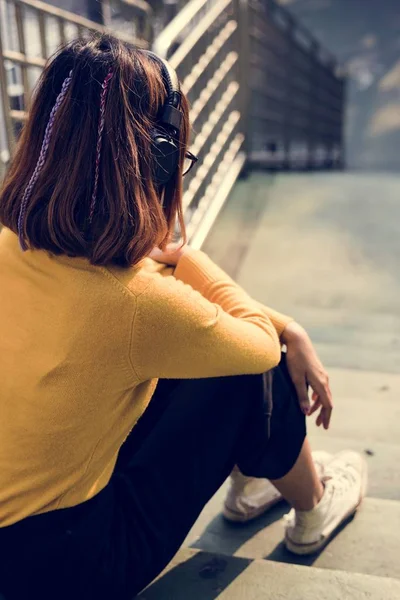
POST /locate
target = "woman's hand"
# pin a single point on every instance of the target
(305, 369)
(171, 255)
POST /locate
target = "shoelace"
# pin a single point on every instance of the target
(340, 478)
(343, 478)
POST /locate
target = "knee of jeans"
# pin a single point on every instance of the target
(244, 386)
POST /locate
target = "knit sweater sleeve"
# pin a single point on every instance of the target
(199, 323)
(279, 320)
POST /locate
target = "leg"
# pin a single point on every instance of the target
(176, 457)
(182, 450)
(301, 487)
(322, 498)
(249, 497)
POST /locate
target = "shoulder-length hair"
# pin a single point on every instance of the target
(132, 213)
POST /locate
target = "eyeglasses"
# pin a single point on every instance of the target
(189, 162)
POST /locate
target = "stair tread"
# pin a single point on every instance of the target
(368, 544)
(209, 576)
(315, 256)
(366, 407)
(383, 461)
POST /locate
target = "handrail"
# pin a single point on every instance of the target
(71, 18)
(300, 28)
(202, 43)
(263, 90)
(140, 4)
(163, 42)
(19, 53)
(197, 32)
(250, 67)
(66, 15)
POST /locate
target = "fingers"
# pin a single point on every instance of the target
(302, 394)
(323, 391)
(316, 405)
(155, 253)
(170, 256)
(326, 413)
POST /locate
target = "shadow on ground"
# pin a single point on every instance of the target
(260, 538)
(200, 577)
(280, 554)
(227, 538)
(206, 574)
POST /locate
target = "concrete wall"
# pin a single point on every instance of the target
(365, 36)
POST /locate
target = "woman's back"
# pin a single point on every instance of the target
(91, 317)
(80, 197)
(68, 395)
(82, 347)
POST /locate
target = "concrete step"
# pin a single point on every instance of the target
(208, 576)
(369, 544)
(366, 418)
(324, 249)
(383, 461)
(367, 407)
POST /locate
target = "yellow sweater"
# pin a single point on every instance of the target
(81, 348)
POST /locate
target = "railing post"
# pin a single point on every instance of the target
(5, 101)
(241, 8)
(312, 121)
(341, 163)
(289, 71)
(171, 9)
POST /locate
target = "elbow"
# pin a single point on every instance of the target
(267, 358)
(272, 352)
(272, 358)
(276, 356)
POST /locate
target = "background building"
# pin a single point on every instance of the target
(365, 36)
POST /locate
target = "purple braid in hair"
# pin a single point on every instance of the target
(41, 160)
(103, 99)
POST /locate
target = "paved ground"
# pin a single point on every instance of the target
(325, 249)
(201, 576)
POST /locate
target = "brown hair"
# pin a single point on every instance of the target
(130, 218)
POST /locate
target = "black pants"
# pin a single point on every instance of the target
(175, 459)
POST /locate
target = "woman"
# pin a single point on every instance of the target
(104, 469)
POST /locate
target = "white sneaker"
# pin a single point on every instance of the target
(250, 497)
(345, 483)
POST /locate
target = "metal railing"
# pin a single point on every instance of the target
(263, 92)
(30, 31)
(296, 91)
(202, 44)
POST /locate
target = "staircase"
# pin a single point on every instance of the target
(294, 119)
(237, 562)
(302, 213)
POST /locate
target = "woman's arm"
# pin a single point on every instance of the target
(172, 257)
(199, 323)
(279, 320)
(306, 370)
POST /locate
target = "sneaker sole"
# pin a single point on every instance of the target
(237, 517)
(303, 549)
